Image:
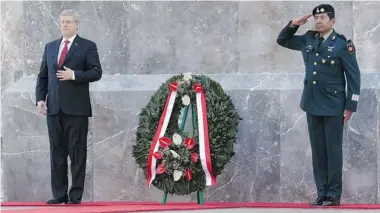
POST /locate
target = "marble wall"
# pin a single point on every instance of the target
(141, 44)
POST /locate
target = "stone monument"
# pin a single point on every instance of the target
(141, 44)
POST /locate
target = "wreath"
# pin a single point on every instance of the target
(179, 162)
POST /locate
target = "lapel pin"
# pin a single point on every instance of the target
(323, 60)
(332, 62)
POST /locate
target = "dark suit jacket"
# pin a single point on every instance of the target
(70, 96)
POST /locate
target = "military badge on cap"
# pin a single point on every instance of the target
(324, 8)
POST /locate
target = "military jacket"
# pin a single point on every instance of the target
(330, 66)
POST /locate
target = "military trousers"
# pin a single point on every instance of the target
(326, 136)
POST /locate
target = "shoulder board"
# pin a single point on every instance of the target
(350, 47)
(342, 36)
(311, 32)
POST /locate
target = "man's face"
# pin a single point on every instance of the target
(323, 23)
(68, 25)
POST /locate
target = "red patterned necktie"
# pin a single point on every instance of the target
(63, 54)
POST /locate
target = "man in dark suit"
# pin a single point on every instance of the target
(68, 65)
(329, 59)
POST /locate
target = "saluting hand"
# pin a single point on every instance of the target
(301, 20)
(66, 74)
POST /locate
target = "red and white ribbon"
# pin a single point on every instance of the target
(161, 129)
(204, 145)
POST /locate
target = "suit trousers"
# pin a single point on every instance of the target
(67, 137)
(326, 136)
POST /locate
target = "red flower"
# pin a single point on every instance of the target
(189, 143)
(165, 142)
(188, 174)
(194, 157)
(173, 86)
(157, 155)
(198, 87)
(161, 169)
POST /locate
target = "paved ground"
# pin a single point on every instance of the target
(259, 210)
(14, 208)
(244, 210)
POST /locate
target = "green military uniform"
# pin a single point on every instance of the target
(324, 99)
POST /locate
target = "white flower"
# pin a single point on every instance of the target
(177, 139)
(185, 100)
(177, 175)
(175, 154)
(187, 76)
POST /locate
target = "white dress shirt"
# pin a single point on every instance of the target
(326, 36)
(62, 45)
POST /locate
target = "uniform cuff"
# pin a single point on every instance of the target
(351, 105)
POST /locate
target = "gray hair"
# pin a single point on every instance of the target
(70, 12)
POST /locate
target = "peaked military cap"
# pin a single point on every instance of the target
(323, 8)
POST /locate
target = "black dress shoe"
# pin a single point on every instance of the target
(57, 200)
(331, 201)
(74, 201)
(318, 201)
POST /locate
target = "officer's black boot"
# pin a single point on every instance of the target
(331, 201)
(318, 201)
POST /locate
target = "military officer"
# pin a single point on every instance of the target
(330, 61)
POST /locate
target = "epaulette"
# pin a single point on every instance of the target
(350, 45)
(342, 36)
(311, 32)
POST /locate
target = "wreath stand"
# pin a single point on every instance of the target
(183, 122)
(199, 197)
